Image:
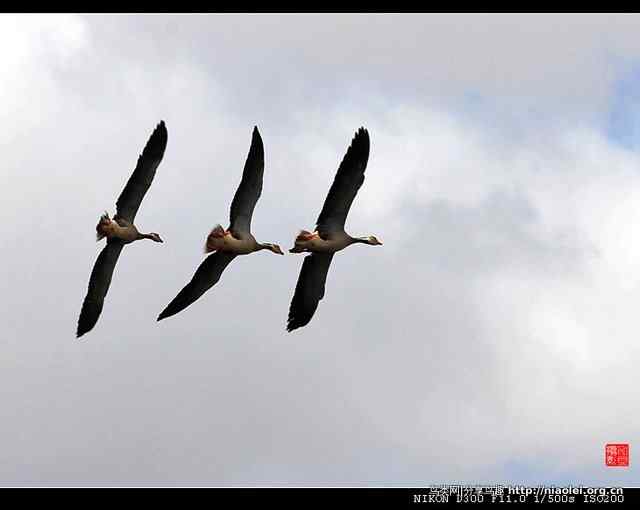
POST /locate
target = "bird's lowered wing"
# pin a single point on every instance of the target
(142, 177)
(205, 277)
(249, 190)
(98, 286)
(347, 182)
(309, 289)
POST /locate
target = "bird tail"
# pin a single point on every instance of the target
(103, 222)
(214, 239)
(304, 235)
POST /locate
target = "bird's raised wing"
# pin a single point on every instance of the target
(205, 277)
(249, 190)
(142, 177)
(349, 178)
(98, 286)
(309, 289)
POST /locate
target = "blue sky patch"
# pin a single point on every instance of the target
(623, 121)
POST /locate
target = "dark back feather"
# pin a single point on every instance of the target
(309, 289)
(249, 190)
(347, 182)
(98, 286)
(205, 277)
(142, 177)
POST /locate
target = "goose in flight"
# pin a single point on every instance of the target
(120, 230)
(329, 236)
(226, 245)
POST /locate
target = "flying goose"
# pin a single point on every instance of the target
(236, 240)
(329, 236)
(120, 230)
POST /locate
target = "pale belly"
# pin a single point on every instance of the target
(319, 245)
(238, 246)
(128, 234)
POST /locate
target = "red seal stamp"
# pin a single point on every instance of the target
(616, 454)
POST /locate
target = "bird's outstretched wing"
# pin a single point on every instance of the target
(309, 289)
(98, 286)
(349, 178)
(205, 277)
(142, 177)
(249, 190)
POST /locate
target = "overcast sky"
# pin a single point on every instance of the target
(494, 336)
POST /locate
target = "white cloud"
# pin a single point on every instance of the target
(496, 326)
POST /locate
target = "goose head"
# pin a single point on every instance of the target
(372, 240)
(153, 236)
(272, 247)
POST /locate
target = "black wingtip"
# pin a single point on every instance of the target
(256, 143)
(360, 143)
(157, 142)
(161, 129)
(169, 311)
(296, 323)
(361, 134)
(83, 328)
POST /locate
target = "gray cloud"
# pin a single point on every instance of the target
(491, 338)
